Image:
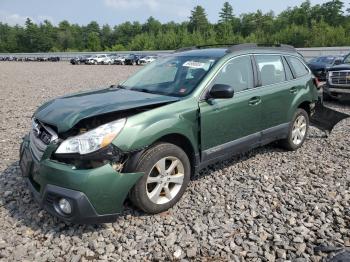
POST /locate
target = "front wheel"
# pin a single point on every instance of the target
(297, 130)
(166, 169)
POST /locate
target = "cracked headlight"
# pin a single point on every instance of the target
(92, 140)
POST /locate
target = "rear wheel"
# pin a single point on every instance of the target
(167, 174)
(297, 130)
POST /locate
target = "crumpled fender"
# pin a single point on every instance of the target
(325, 118)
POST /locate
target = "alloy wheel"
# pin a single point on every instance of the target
(299, 130)
(165, 180)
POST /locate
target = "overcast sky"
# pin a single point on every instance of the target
(117, 11)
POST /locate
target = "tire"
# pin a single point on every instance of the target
(153, 193)
(297, 138)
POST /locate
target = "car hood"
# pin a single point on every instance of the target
(340, 67)
(65, 112)
(316, 66)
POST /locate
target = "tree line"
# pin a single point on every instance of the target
(306, 25)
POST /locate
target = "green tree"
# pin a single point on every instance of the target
(64, 36)
(93, 42)
(106, 37)
(198, 20)
(226, 13)
(118, 47)
(152, 26)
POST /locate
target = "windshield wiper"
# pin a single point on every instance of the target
(144, 90)
(117, 86)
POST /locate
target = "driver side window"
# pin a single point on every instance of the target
(238, 73)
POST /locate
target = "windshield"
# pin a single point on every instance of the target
(171, 75)
(347, 59)
(327, 59)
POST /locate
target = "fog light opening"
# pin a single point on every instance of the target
(65, 206)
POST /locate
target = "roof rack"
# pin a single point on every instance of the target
(189, 48)
(280, 47)
(239, 47)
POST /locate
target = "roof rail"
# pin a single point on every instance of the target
(201, 46)
(281, 47)
(213, 45)
(239, 47)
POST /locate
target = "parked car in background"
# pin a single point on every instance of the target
(320, 65)
(79, 60)
(41, 59)
(120, 60)
(107, 60)
(147, 60)
(96, 59)
(338, 80)
(29, 59)
(54, 59)
(132, 59)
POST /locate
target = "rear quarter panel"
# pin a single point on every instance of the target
(307, 93)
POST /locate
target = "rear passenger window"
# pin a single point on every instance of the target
(289, 73)
(271, 69)
(298, 67)
(237, 73)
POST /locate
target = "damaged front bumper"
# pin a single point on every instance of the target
(96, 195)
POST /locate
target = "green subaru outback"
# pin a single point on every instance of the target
(143, 139)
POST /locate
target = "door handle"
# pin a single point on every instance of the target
(255, 101)
(293, 90)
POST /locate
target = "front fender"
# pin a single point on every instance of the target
(146, 128)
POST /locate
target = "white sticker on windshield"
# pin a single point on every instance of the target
(194, 64)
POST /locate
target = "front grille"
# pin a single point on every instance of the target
(340, 78)
(40, 137)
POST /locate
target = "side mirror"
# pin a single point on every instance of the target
(221, 91)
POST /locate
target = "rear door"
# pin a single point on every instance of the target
(279, 92)
(229, 125)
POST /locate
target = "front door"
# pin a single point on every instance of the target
(230, 125)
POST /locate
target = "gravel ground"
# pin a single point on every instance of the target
(265, 205)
